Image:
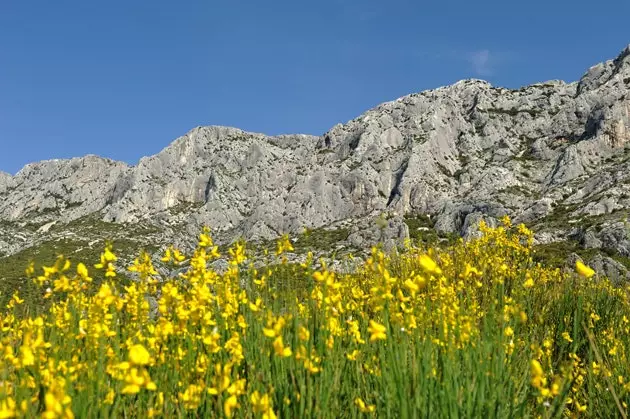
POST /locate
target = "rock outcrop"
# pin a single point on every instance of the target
(551, 155)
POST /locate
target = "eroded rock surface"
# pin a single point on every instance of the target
(551, 155)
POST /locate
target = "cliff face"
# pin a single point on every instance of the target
(552, 155)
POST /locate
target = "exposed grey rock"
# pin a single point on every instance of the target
(590, 241)
(616, 236)
(6, 181)
(464, 218)
(570, 262)
(60, 189)
(220, 266)
(610, 268)
(470, 229)
(538, 209)
(389, 232)
(551, 151)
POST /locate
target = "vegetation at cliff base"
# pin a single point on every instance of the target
(472, 329)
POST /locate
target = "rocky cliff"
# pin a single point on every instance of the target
(554, 155)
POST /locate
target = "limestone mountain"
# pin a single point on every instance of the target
(553, 155)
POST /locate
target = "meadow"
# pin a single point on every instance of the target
(473, 329)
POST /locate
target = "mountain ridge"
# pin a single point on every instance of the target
(459, 153)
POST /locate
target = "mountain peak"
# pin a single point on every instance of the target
(616, 71)
(624, 53)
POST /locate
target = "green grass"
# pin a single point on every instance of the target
(466, 353)
(12, 267)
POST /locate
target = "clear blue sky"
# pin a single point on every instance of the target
(123, 78)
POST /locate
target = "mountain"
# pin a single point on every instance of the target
(553, 155)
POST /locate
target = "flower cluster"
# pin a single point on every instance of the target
(473, 328)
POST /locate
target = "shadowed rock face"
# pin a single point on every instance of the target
(461, 153)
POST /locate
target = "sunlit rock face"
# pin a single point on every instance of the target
(461, 153)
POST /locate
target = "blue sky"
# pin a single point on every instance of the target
(122, 79)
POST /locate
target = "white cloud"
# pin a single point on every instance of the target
(481, 62)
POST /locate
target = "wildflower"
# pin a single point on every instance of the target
(109, 397)
(262, 404)
(326, 277)
(107, 257)
(82, 271)
(229, 405)
(256, 306)
(280, 349)
(237, 252)
(138, 355)
(352, 356)
(538, 379)
(136, 379)
(168, 256)
(429, 265)
(567, 337)
(191, 397)
(363, 407)
(583, 269)
(508, 332)
(204, 238)
(303, 333)
(377, 331)
(284, 245)
(16, 300)
(581, 408)
(30, 271)
(57, 402)
(7, 408)
(28, 358)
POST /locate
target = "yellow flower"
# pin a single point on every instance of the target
(16, 299)
(580, 407)
(262, 404)
(364, 408)
(508, 332)
(136, 380)
(191, 398)
(255, 306)
(325, 276)
(204, 238)
(280, 349)
(7, 408)
(237, 252)
(229, 405)
(303, 333)
(28, 358)
(109, 398)
(178, 256)
(411, 286)
(138, 355)
(538, 377)
(429, 264)
(567, 337)
(57, 402)
(168, 256)
(284, 245)
(107, 257)
(82, 270)
(377, 331)
(583, 269)
(30, 271)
